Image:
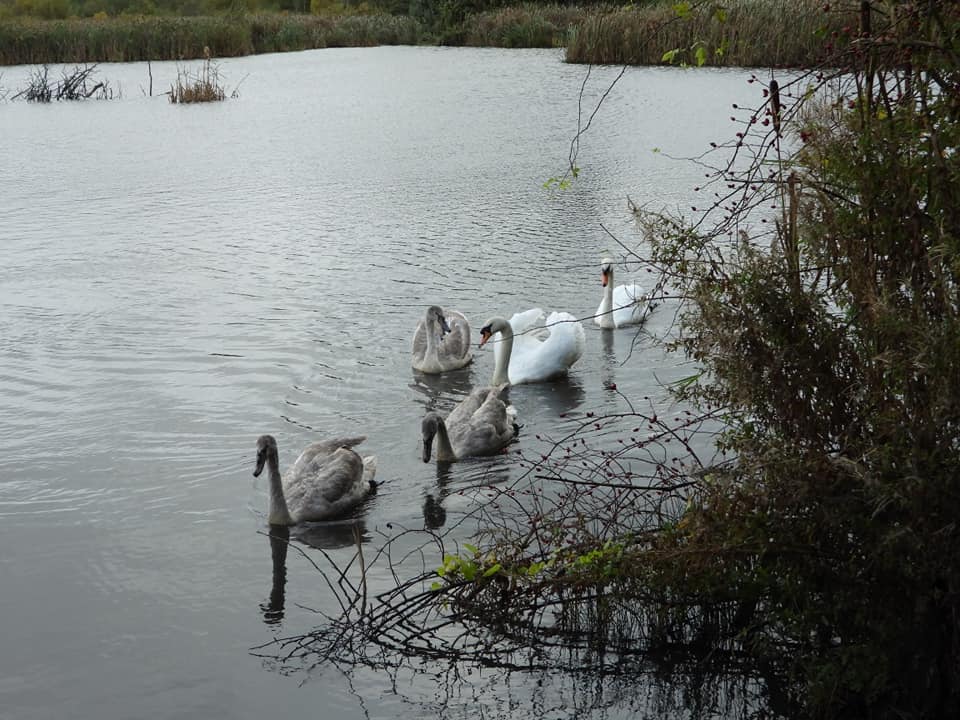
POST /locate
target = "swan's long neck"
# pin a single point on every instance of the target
(279, 515)
(444, 448)
(431, 328)
(606, 305)
(500, 370)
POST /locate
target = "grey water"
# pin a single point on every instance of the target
(178, 280)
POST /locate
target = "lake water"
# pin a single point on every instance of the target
(178, 280)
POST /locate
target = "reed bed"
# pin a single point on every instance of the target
(524, 26)
(128, 39)
(754, 33)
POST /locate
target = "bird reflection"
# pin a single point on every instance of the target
(434, 514)
(558, 397)
(608, 373)
(279, 541)
(450, 385)
(332, 535)
(474, 476)
(324, 536)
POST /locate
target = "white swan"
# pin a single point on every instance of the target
(328, 480)
(621, 305)
(481, 424)
(441, 341)
(532, 350)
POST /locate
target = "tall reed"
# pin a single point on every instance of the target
(524, 26)
(751, 33)
(127, 39)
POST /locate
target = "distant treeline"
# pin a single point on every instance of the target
(747, 33)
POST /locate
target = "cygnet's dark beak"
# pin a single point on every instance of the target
(261, 461)
(427, 447)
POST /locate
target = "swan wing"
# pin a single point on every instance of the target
(419, 343)
(486, 430)
(320, 448)
(456, 343)
(629, 304)
(330, 485)
(522, 322)
(467, 407)
(534, 360)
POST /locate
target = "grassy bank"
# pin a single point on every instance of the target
(127, 39)
(748, 33)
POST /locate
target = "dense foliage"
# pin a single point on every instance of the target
(833, 346)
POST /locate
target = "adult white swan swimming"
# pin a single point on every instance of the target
(622, 305)
(327, 481)
(441, 341)
(533, 348)
(481, 424)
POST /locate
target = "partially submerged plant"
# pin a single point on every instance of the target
(76, 84)
(202, 86)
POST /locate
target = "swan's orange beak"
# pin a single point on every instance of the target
(484, 336)
(603, 278)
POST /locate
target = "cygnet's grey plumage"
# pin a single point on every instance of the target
(327, 481)
(441, 341)
(482, 424)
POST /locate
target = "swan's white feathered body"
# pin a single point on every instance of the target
(534, 346)
(441, 341)
(621, 305)
(481, 424)
(327, 481)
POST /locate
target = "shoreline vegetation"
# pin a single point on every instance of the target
(747, 33)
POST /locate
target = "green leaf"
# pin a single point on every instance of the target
(472, 549)
(701, 55)
(435, 586)
(720, 14)
(670, 55)
(492, 570)
(682, 9)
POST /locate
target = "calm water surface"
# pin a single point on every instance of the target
(178, 280)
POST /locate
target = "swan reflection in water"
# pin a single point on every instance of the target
(557, 398)
(462, 487)
(279, 541)
(322, 536)
(442, 392)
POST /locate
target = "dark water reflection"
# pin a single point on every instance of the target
(279, 541)
(179, 280)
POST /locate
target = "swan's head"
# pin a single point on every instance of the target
(606, 271)
(429, 428)
(491, 328)
(266, 446)
(435, 313)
